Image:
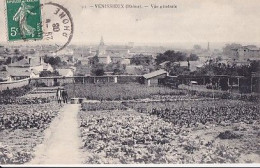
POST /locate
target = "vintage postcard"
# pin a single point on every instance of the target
(129, 82)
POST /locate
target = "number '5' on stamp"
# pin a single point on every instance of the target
(24, 20)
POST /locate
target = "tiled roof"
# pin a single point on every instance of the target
(154, 74)
(25, 62)
(15, 71)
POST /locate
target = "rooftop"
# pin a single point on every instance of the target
(25, 62)
(19, 71)
(154, 74)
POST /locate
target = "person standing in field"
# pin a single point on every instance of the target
(65, 96)
(59, 94)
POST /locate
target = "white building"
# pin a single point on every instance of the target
(65, 72)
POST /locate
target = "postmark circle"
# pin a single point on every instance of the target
(57, 25)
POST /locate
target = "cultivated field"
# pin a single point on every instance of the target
(186, 129)
(128, 123)
(119, 91)
(22, 122)
(116, 136)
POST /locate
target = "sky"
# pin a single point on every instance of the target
(193, 21)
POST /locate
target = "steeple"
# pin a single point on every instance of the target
(101, 47)
(208, 47)
(102, 41)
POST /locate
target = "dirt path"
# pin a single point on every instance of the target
(61, 142)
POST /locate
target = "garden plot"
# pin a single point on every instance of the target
(155, 134)
(119, 91)
(21, 129)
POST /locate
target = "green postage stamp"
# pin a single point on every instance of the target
(24, 19)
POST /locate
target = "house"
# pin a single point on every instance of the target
(244, 53)
(4, 75)
(84, 62)
(116, 58)
(184, 64)
(65, 72)
(126, 61)
(195, 65)
(2, 59)
(104, 59)
(22, 73)
(154, 78)
(28, 62)
(191, 65)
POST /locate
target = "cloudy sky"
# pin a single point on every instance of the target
(194, 21)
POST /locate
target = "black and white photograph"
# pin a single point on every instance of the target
(130, 82)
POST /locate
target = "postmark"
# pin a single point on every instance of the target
(24, 20)
(49, 23)
(57, 25)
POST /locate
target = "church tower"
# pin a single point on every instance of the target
(101, 47)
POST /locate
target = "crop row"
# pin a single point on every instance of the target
(27, 116)
(118, 91)
(97, 106)
(190, 113)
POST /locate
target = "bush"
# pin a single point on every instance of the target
(229, 135)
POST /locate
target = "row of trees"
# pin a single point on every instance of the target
(9, 60)
(54, 61)
(173, 56)
(215, 68)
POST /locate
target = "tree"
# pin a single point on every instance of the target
(94, 60)
(193, 57)
(16, 51)
(119, 69)
(98, 69)
(219, 58)
(45, 73)
(49, 73)
(52, 60)
(20, 58)
(171, 56)
(8, 60)
(176, 69)
(141, 59)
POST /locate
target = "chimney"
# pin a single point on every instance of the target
(29, 61)
(40, 60)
